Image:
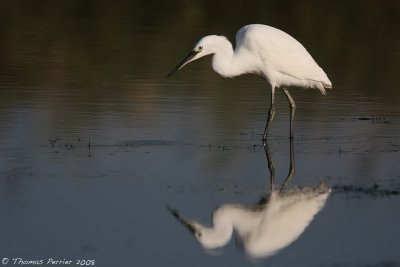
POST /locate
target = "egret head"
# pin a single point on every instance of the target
(204, 47)
(194, 227)
(207, 237)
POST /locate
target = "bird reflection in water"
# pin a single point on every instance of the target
(268, 226)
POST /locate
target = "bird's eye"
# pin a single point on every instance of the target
(200, 48)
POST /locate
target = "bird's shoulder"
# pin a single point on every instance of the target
(278, 51)
(259, 32)
(270, 44)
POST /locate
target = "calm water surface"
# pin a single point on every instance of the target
(95, 142)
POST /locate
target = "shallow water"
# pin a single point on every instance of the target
(95, 142)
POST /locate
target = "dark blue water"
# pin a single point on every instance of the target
(95, 142)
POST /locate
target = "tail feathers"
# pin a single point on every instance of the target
(326, 82)
(327, 85)
(321, 86)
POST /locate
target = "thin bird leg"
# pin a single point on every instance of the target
(271, 166)
(271, 113)
(291, 167)
(292, 110)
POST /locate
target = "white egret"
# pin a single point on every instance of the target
(268, 52)
(267, 227)
(263, 229)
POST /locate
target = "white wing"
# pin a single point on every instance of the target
(280, 52)
(284, 220)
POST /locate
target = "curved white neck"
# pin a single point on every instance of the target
(222, 61)
(222, 230)
(229, 63)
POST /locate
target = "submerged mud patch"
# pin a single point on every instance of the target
(374, 190)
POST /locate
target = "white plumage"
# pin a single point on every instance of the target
(284, 60)
(268, 52)
(262, 229)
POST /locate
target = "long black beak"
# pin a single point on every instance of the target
(189, 225)
(183, 62)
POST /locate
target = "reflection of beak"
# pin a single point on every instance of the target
(186, 60)
(189, 224)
